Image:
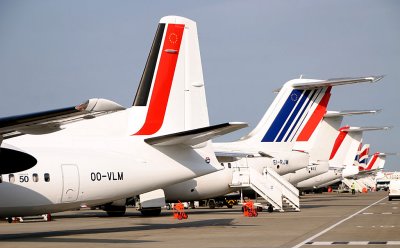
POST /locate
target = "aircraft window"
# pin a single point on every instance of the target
(46, 177)
(11, 178)
(229, 165)
(35, 177)
(222, 164)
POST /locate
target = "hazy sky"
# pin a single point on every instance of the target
(59, 53)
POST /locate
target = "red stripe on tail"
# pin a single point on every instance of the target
(372, 162)
(338, 142)
(163, 80)
(316, 117)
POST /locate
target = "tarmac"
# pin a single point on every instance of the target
(329, 219)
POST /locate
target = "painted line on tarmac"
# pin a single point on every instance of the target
(335, 225)
(321, 243)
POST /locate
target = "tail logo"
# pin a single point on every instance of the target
(294, 118)
(163, 80)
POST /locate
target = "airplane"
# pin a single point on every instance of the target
(323, 141)
(260, 149)
(341, 159)
(329, 128)
(99, 152)
(362, 156)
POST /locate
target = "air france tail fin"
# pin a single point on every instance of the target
(377, 161)
(355, 137)
(296, 111)
(321, 142)
(345, 148)
(171, 96)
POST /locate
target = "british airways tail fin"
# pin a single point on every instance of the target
(171, 92)
(363, 156)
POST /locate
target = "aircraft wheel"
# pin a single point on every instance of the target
(151, 212)
(116, 211)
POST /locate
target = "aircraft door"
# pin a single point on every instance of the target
(70, 182)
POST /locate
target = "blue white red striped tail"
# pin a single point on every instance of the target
(294, 114)
(363, 155)
(297, 110)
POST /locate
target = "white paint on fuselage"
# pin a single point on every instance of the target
(102, 148)
(322, 179)
(306, 173)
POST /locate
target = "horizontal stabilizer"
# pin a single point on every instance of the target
(350, 112)
(234, 154)
(384, 154)
(361, 129)
(195, 136)
(335, 82)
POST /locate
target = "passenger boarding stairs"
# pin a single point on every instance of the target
(269, 185)
(369, 181)
(358, 184)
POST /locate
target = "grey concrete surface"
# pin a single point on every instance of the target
(219, 227)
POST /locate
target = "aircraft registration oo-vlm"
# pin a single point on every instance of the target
(99, 152)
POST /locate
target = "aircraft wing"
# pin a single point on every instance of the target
(52, 120)
(335, 82)
(195, 136)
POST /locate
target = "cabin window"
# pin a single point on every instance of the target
(35, 177)
(46, 177)
(229, 165)
(11, 178)
(222, 164)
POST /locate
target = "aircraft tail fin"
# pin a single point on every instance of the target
(363, 156)
(320, 145)
(351, 143)
(345, 148)
(171, 91)
(377, 160)
(297, 110)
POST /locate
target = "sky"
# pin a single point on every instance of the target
(56, 54)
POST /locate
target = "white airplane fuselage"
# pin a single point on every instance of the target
(94, 166)
(306, 173)
(218, 183)
(317, 181)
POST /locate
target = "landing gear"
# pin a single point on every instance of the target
(151, 212)
(9, 219)
(211, 204)
(115, 211)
